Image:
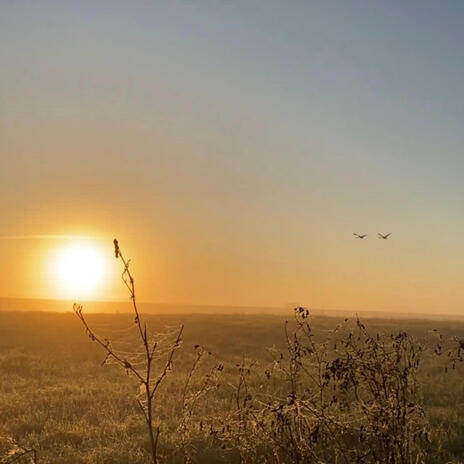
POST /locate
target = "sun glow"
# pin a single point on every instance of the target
(79, 270)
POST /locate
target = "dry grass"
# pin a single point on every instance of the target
(56, 396)
(245, 389)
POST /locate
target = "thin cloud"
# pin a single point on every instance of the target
(48, 237)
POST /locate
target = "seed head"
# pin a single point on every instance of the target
(116, 248)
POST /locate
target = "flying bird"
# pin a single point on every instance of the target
(384, 237)
(360, 236)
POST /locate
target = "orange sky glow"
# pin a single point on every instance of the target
(233, 154)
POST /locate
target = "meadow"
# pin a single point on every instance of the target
(58, 398)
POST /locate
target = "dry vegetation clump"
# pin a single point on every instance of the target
(203, 378)
(352, 398)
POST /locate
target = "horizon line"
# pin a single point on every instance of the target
(223, 305)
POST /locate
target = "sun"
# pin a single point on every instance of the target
(79, 270)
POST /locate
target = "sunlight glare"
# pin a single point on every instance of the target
(79, 270)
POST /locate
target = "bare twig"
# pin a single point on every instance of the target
(150, 376)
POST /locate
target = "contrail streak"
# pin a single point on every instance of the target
(49, 237)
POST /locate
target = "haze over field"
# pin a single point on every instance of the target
(233, 148)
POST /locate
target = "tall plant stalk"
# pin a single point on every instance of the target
(150, 375)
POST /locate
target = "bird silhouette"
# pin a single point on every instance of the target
(384, 237)
(360, 236)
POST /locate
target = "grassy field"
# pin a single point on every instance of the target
(56, 396)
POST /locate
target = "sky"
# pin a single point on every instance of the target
(234, 147)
